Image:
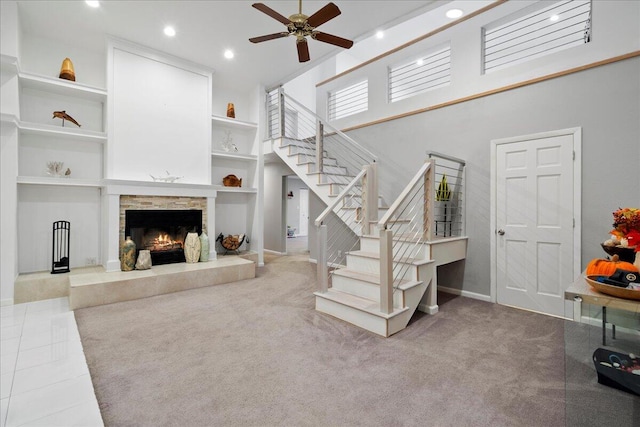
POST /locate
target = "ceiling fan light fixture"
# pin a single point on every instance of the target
(302, 26)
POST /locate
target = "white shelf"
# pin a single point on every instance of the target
(234, 123)
(233, 156)
(66, 132)
(60, 182)
(62, 87)
(223, 189)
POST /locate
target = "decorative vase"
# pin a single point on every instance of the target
(128, 255)
(66, 71)
(231, 111)
(144, 260)
(192, 248)
(204, 247)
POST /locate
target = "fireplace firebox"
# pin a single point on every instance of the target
(162, 232)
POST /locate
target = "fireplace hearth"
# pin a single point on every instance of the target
(162, 232)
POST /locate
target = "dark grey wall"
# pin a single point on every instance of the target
(604, 102)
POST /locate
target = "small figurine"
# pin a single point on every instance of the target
(67, 172)
(64, 116)
(66, 71)
(232, 181)
(168, 178)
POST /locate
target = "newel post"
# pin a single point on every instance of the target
(370, 199)
(319, 146)
(281, 103)
(323, 274)
(386, 271)
(429, 201)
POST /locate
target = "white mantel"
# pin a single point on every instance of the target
(113, 189)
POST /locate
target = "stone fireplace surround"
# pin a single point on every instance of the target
(122, 195)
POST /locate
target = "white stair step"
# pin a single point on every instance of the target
(304, 159)
(376, 256)
(420, 250)
(333, 169)
(322, 177)
(372, 278)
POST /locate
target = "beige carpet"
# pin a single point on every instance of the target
(257, 353)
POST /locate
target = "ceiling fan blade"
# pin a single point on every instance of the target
(325, 14)
(272, 13)
(331, 39)
(303, 50)
(267, 37)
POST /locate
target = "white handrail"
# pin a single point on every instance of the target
(351, 141)
(382, 224)
(341, 196)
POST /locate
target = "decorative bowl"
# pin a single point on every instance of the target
(612, 290)
(625, 254)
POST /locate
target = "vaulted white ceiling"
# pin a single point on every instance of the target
(206, 28)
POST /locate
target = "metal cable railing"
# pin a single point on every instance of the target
(342, 223)
(404, 229)
(449, 200)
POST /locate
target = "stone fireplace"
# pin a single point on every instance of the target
(162, 214)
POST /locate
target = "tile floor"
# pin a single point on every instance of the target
(44, 378)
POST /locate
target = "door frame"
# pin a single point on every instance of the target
(577, 198)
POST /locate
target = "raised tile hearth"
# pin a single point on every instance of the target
(91, 286)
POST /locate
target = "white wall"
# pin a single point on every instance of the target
(615, 32)
(39, 55)
(159, 116)
(10, 40)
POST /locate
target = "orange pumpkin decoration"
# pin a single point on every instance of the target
(605, 267)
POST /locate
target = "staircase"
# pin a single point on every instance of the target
(375, 263)
(355, 293)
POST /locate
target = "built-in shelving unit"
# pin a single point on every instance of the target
(236, 207)
(43, 138)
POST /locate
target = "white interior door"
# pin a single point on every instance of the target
(534, 215)
(304, 212)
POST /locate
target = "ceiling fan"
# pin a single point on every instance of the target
(301, 26)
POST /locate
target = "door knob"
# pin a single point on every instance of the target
(501, 232)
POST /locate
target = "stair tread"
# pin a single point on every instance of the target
(331, 173)
(400, 238)
(404, 260)
(373, 278)
(363, 304)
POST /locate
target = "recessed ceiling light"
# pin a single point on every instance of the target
(554, 18)
(169, 31)
(92, 3)
(454, 13)
(379, 34)
(228, 54)
(420, 62)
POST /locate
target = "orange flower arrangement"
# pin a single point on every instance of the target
(625, 221)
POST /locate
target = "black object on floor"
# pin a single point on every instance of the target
(618, 370)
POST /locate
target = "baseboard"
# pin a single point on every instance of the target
(6, 301)
(594, 321)
(274, 252)
(468, 294)
(313, 261)
(429, 309)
